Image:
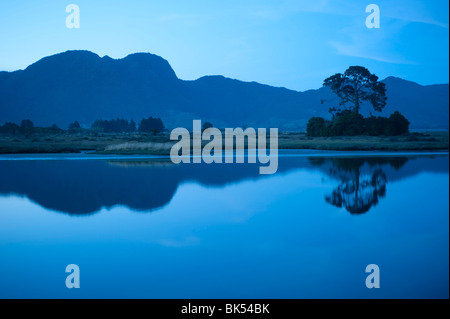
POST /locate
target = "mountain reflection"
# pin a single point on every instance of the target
(84, 187)
(362, 181)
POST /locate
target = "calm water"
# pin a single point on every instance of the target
(144, 228)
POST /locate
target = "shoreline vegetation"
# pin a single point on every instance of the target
(347, 130)
(160, 143)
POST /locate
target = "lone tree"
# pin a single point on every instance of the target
(355, 86)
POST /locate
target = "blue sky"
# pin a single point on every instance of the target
(294, 44)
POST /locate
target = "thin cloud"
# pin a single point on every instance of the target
(413, 11)
(404, 10)
(373, 44)
(358, 51)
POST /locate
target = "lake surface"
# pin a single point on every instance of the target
(142, 227)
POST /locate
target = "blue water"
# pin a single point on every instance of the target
(144, 228)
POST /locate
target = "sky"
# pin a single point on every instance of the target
(285, 43)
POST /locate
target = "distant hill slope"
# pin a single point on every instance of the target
(80, 85)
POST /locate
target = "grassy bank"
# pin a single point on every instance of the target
(160, 144)
(76, 143)
(409, 142)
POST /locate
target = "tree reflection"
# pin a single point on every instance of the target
(358, 195)
(362, 181)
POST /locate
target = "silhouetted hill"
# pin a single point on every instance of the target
(426, 106)
(80, 85)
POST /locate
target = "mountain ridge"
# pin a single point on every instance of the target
(81, 85)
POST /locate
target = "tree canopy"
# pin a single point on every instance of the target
(74, 126)
(355, 86)
(151, 125)
(207, 125)
(117, 125)
(349, 123)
